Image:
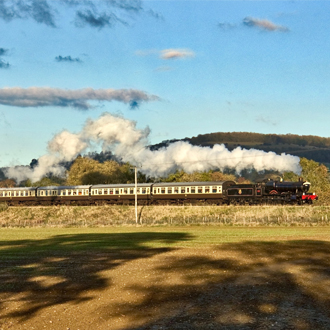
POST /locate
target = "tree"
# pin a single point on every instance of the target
(85, 171)
(315, 173)
(8, 183)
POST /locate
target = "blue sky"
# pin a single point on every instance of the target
(195, 67)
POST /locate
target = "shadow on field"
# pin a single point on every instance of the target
(258, 285)
(43, 273)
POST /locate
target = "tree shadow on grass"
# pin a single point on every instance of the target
(43, 273)
(250, 285)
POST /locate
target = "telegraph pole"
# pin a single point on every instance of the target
(136, 212)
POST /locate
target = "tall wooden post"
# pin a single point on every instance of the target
(136, 212)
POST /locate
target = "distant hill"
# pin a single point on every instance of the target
(308, 146)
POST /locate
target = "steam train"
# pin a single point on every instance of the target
(225, 192)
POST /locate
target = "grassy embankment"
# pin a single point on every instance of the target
(103, 216)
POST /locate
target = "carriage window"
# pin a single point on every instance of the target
(80, 192)
(111, 191)
(125, 191)
(69, 192)
(143, 190)
(100, 191)
(163, 190)
(86, 191)
(200, 190)
(116, 191)
(148, 190)
(207, 189)
(188, 190)
(193, 190)
(219, 189)
(183, 190)
(176, 190)
(214, 189)
(169, 190)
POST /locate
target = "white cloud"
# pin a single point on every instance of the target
(47, 96)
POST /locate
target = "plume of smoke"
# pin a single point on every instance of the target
(127, 142)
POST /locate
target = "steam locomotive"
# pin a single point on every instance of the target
(225, 192)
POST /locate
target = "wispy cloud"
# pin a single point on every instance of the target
(39, 10)
(226, 26)
(172, 54)
(96, 14)
(4, 65)
(95, 20)
(67, 59)
(263, 24)
(79, 99)
(266, 120)
(163, 69)
(3, 51)
(167, 54)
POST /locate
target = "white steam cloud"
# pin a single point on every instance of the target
(47, 96)
(127, 142)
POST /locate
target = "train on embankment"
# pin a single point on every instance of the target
(225, 192)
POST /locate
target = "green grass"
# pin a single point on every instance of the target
(36, 240)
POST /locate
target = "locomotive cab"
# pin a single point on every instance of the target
(306, 186)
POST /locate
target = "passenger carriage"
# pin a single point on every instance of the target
(120, 193)
(63, 195)
(18, 195)
(212, 192)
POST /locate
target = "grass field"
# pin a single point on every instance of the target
(178, 277)
(116, 215)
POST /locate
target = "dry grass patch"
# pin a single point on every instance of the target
(117, 215)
